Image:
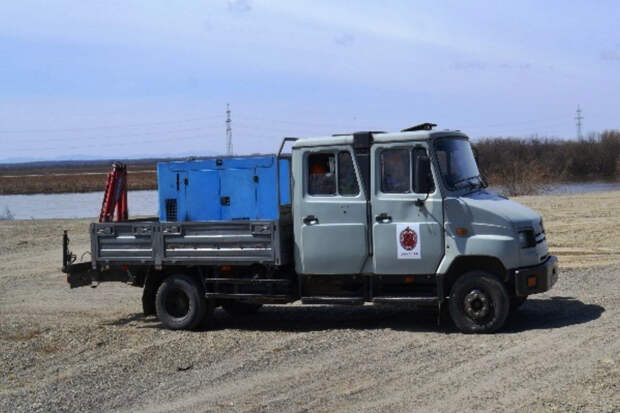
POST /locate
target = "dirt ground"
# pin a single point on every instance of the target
(92, 350)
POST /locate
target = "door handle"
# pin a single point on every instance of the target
(311, 220)
(383, 218)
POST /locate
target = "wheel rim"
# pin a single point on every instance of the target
(177, 303)
(477, 305)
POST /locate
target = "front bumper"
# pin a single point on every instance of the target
(537, 279)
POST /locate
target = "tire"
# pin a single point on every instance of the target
(238, 308)
(479, 303)
(180, 303)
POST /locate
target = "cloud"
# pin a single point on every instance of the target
(467, 66)
(344, 39)
(476, 66)
(611, 55)
(239, 6)
(515, 66)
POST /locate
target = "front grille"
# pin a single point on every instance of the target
(171, 209)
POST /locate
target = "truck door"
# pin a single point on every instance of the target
(407, 238)
(238, 194)
(203, 198)
(330, 213)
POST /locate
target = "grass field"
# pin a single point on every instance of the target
(582, 230)
(74, 178)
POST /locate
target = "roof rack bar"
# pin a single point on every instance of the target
(287, 139)
(375, 132)
(421, 126)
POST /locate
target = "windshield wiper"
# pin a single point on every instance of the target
(465, 179)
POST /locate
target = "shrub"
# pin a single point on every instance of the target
(527, 166)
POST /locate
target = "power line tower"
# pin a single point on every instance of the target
(579, 118)
(229, 147)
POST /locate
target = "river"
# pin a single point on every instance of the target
(72, 205)
(144, 203)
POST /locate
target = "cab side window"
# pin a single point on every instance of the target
(325, 177)
(321, 174)
(395, 171)
(347, 182)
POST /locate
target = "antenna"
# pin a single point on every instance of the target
(229, 147)
(579, 118)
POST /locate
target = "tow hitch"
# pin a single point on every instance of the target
(82, 273)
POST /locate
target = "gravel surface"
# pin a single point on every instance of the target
(92, 350)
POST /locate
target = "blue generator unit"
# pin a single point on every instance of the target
(223, 189)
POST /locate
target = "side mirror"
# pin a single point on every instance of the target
(423, 179)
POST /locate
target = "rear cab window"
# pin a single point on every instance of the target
(331, 174)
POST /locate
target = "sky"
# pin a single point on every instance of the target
(122, 78)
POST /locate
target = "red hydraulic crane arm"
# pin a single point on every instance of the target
(114, 205)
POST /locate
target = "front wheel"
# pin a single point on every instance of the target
(180, 303)
(479, 303)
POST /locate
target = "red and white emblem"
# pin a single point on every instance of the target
(408, 239)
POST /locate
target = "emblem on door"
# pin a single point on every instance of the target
(408, 241)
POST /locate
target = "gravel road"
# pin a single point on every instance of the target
(92, 350)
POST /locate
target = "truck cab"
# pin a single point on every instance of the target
(404, 208)
(369, 217)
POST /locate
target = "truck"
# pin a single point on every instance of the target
(366, 218)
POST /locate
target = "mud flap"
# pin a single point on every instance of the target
(79, 275)
(82, 274)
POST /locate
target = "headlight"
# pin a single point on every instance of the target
(527, 238)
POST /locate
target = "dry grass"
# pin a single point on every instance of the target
(22, 335)
(71, 181)
(582, 230)
(522, 178)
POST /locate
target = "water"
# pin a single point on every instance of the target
(573, 188)
(78, 205)
(144, 203)
(581, 188)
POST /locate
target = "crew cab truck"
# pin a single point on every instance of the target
(368, 217)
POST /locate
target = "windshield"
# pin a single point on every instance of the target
(457, 164)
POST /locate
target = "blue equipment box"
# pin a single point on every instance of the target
(223, 189)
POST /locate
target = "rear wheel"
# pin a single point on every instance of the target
(180, 303)
(479, 303)
(238, 308)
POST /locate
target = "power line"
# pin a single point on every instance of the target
(579, 118)
(164, 134)
(106, 145)
(106, 126)
(305, 122)
(229, 147)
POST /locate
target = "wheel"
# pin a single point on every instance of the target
(238, 308)
(516, 302)
(180, 303)
(479, 303)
